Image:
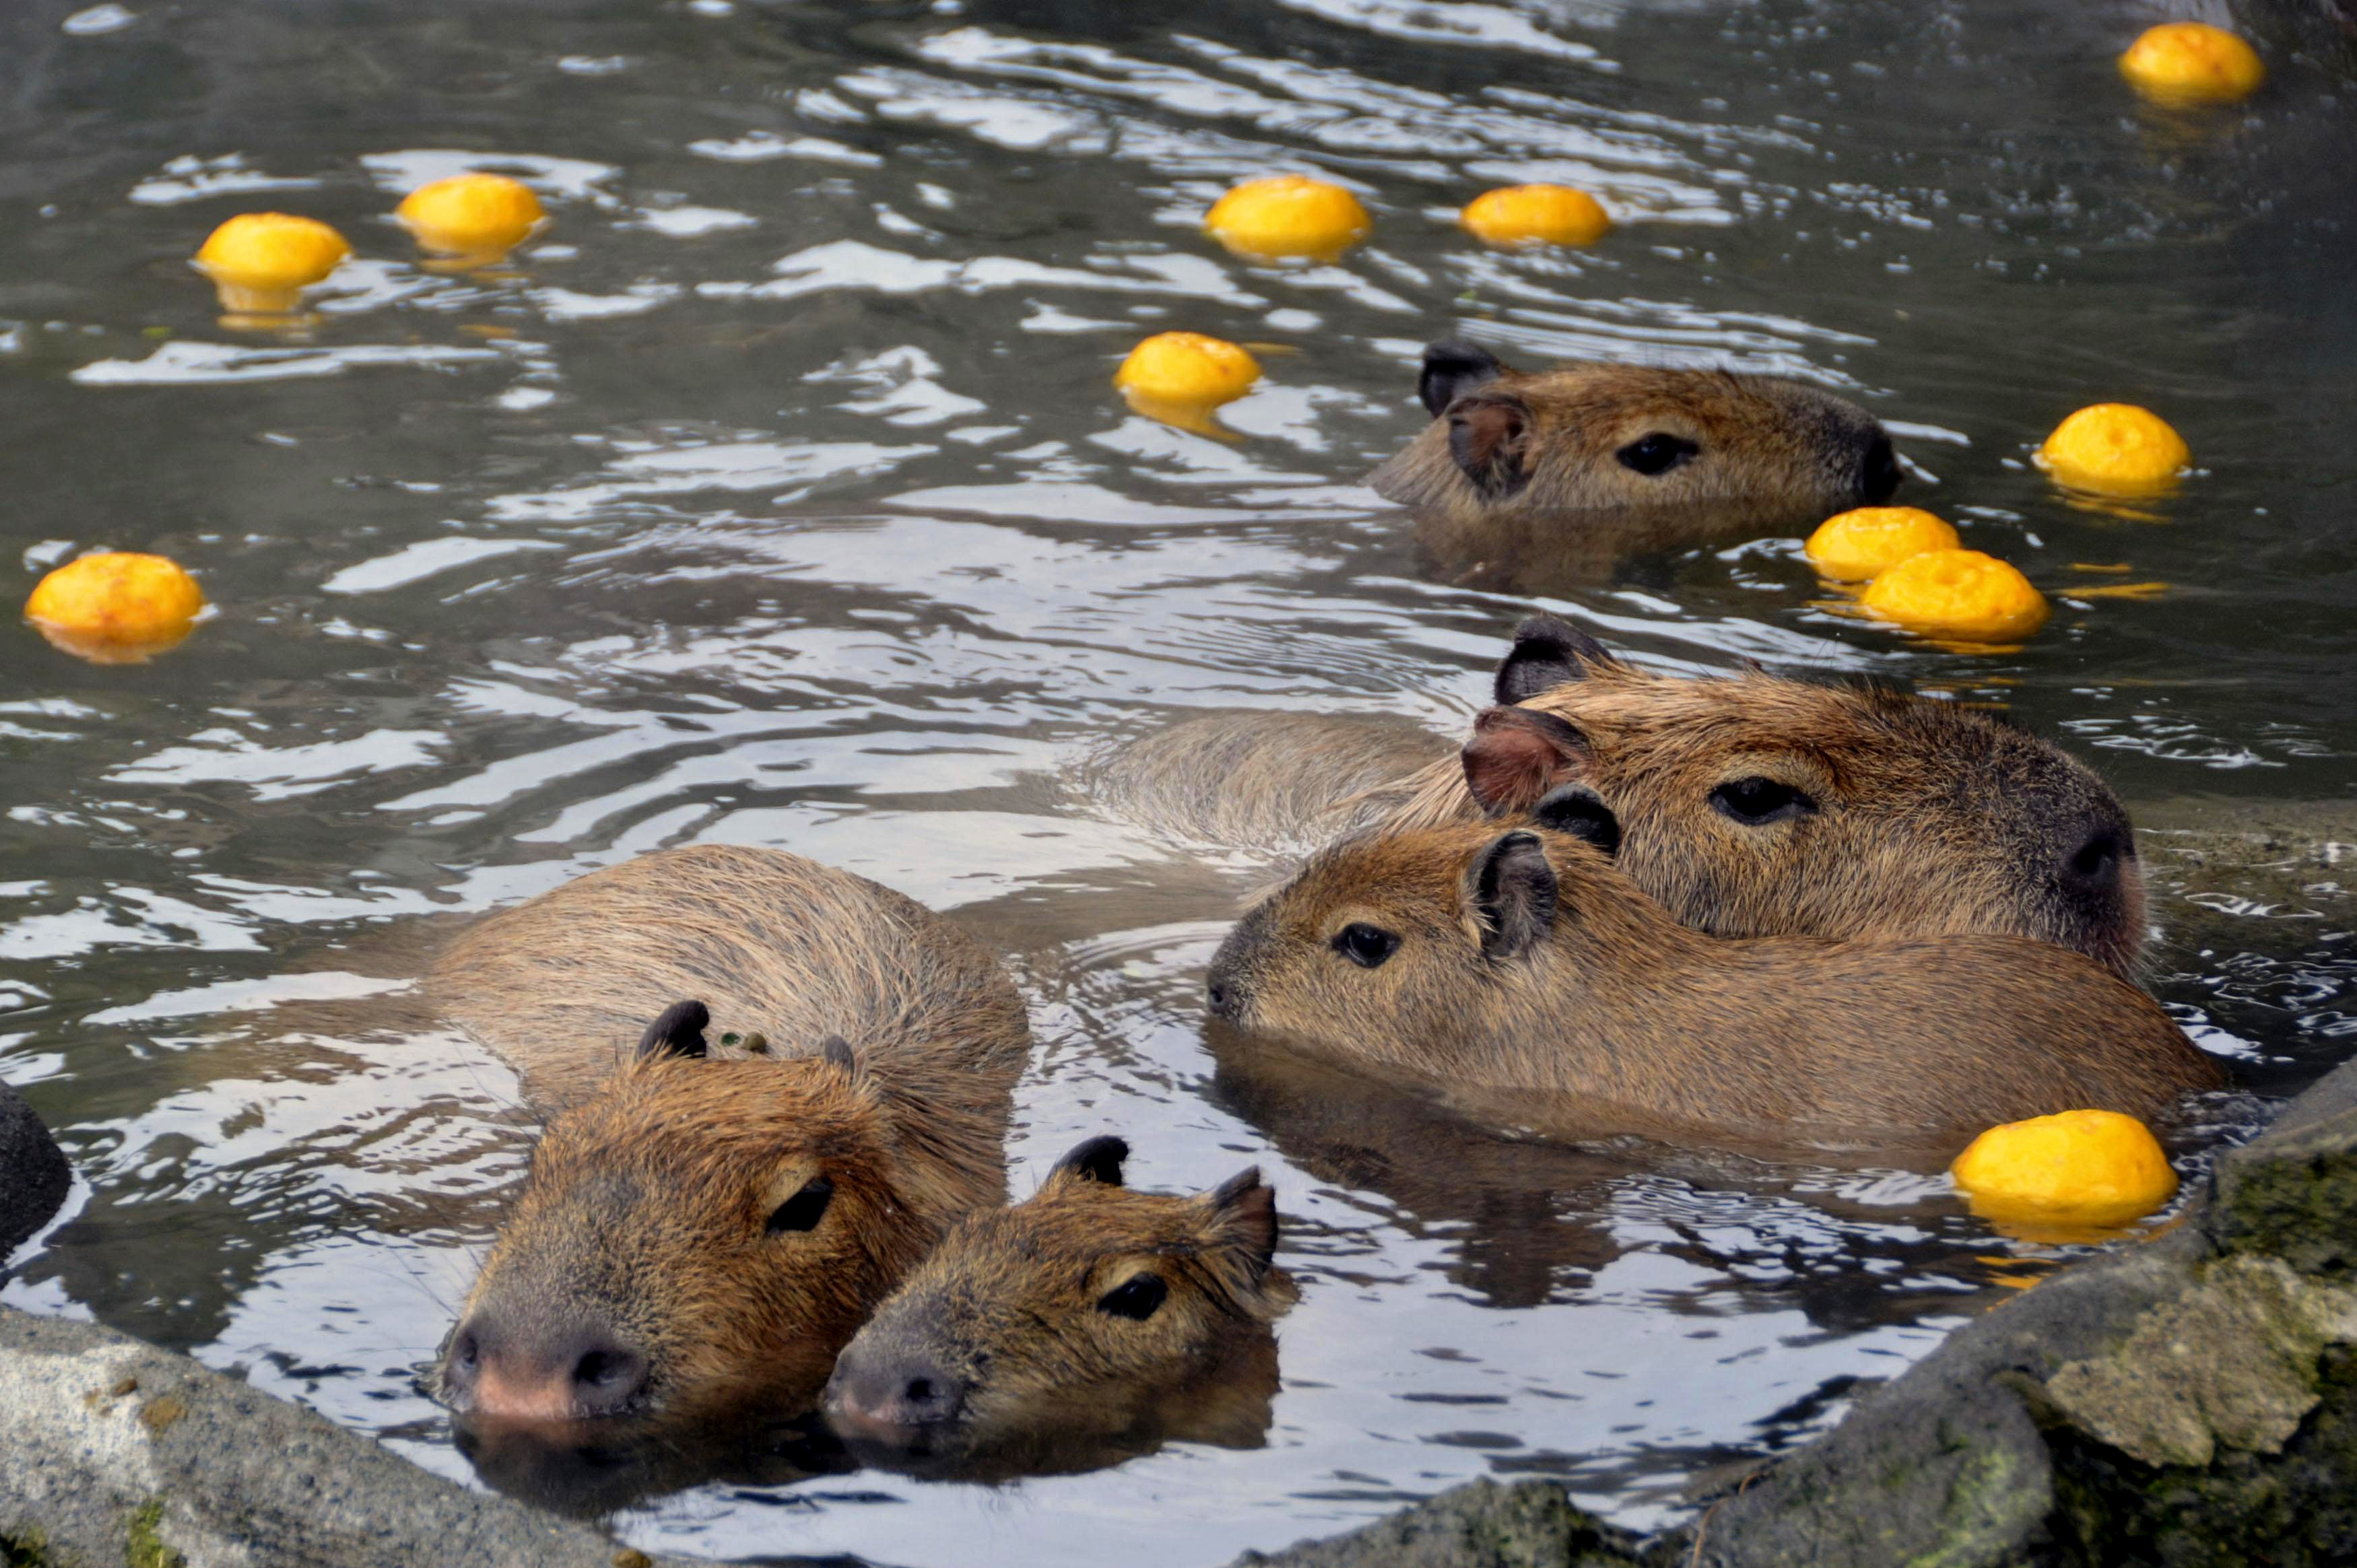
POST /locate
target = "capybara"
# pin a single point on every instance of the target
(703, 1231)
(1525, 961)
(1748, 805)
(1590, 462)
(1088, 1312)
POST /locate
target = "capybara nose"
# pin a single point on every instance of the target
(578, 1372)
(893, 1402)
(2092, 870)
(1217, 994)
(1878, 476)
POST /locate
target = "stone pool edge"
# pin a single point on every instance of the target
(2197, 1393)
(2193, 1399)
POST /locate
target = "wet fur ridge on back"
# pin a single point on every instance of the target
(773, 944)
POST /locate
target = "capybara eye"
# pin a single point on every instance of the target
(1656, 454)
(805, 1210)
(1137, 1299)
(1366, 946)
(1756, 801)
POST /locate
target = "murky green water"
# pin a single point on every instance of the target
(780, 495)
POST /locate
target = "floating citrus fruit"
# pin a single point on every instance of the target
(1958, 593)
(117, 607)
(2183, 63)
(1855, 545)
(471, 214)
(1187, 367)
(1536, 215)
(2096, 1168)
(2116, 448)
(262, 262)
(1287, 215)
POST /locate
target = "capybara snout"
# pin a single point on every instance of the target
(1083, 1311)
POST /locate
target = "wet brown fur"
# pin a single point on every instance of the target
(1934, 819)
(1622, 1012)
(644, 1212)
(1007, 1305)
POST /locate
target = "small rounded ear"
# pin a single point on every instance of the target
(1548, 651)
(1451, 369)
(678, 1032)
(837, 1052)
(1099, 1160)
(1245, 1216)
(1488, 434)
(1516, 753)
(1577, 810)
(1514, 896)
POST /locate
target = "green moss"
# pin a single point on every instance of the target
(2293, 1510)
(30, 1550)
(146, 1548)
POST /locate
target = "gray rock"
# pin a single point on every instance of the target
(33, 1175)
(118, 1451)
(1531, 1524)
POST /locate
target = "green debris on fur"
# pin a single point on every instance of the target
(30, 1550)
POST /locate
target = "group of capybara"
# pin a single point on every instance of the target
(1741, 910)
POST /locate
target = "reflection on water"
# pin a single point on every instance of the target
(779, 493)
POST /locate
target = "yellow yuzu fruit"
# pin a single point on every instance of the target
(117, 607)
(471, 213)
(1536, 214)
(2116, 448)
(2181, 63)
(1959, 594)
(2077, 1167)
(1287, 215)
(260, 261)
(1187, 367)
(1854, 545)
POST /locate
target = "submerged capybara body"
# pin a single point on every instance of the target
(1087, 1314)
(1748, 805)
(1529, 478)
(1524, 962)
(701, 1230)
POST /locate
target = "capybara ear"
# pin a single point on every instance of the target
(1451, 369)
(1548, 651)
(679, 1032)
(1577, 810)
(838, 1054)
(1516, 753)
(1244, 1216)
(1097, 1160)
(1514, 896)
(1488, 434)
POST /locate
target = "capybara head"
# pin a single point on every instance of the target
(699, 1236)
(1070, 1315)
(1598, 437)
(1481, 961)
(1752, 805)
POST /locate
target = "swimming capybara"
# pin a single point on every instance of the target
(1526, 962)
(1088, 1322)
(1748, 805)
(703, 1230)
(1527, 479)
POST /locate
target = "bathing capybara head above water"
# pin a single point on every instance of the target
(702, 1236)
(1522, 963)
(1607, 437)
(1088, 1311)
(1751, 805)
